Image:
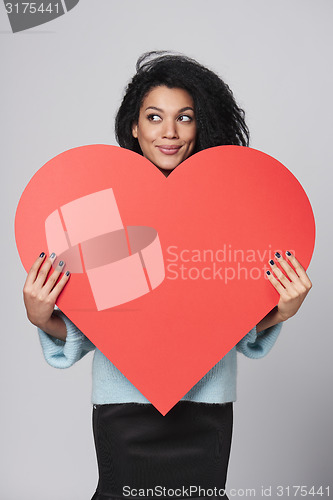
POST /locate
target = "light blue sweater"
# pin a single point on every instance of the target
(111, 386)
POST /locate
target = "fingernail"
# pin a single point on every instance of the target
(61, 263)
(67, 273)
(52, 255)
(277, 255)
(288, 253)
(42, 255)
(271, 262)
(268, 272)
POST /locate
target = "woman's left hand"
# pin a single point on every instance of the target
(293, 285)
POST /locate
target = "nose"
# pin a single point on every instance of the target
(169, 129)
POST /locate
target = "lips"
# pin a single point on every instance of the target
(169, 150)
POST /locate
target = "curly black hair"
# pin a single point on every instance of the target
(219, 120)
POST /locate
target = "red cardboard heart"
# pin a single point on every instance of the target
(220, 216)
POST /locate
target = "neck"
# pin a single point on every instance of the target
(166, 173)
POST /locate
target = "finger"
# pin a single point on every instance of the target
(286, 267)
(276, 283)
(299, 269)
(34, 269)
(279, 274)
(52, 279)
(60, 286)
(44, 270)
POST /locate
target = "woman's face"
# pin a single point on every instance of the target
(166, 129)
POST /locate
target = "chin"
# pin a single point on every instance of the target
(169, 165)
(165, 165)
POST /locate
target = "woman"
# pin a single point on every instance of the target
(172, 108)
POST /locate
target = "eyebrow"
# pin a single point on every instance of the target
(179, 111)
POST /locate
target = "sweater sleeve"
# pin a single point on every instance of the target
(63, 354)
(256, 345)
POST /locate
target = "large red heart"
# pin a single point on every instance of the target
(220, 217)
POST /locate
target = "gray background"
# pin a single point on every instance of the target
(61, 84)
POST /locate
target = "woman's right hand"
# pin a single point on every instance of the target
(41, 292)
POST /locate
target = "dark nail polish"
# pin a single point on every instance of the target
(52, 255)
(42, 255)
(288, 253)
(271, 262)
(61, 263)
(277, 255)
(268, 272)
(67, 273)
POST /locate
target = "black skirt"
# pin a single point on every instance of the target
(182, 454)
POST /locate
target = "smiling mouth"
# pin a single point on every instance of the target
(169, 150)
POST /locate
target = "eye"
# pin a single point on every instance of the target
(154, 118)
(185, 118)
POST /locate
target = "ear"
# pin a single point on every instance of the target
(135, 130)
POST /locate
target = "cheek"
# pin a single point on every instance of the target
(192, 131)
(146, 139)
(192, 137)
(146, 134)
